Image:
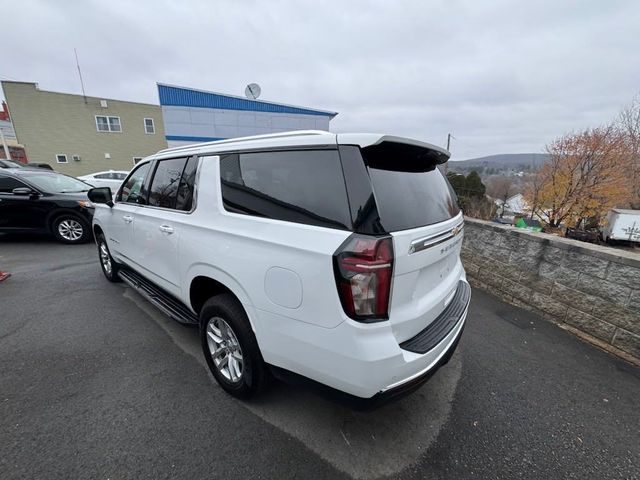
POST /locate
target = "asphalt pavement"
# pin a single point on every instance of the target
(97, 383)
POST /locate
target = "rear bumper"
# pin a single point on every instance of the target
(362, 364)
(411, 384)
(387, 395)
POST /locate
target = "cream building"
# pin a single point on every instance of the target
(79, 135)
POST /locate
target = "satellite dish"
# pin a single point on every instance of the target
(252, 91)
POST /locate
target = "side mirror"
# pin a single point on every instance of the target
(101, 195)
(23, 191)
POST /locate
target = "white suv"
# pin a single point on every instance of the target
(332, 259)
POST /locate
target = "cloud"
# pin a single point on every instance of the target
(501, 76)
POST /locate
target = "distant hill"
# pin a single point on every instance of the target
(519, 162)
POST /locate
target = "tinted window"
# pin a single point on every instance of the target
(166, 180)
(298, 186)
(184, 200)
(132, 190)
(102, 175)
(364, 212)
(7, 184)
(410, 191)
(119, 176)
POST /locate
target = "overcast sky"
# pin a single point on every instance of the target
(501, 76)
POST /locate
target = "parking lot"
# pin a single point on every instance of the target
(97, 383)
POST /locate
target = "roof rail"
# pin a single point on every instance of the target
(295, 133)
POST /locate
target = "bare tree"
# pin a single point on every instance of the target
(629, 124)
(532, 192)
(587, 174)
(501, 188)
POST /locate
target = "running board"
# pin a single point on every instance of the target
(162, 300)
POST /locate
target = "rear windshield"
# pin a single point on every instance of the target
(409, 189)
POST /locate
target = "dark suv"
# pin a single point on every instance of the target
(41, 201)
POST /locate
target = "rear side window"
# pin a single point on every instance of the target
(296, 186)
(163, 191)
(410, 190)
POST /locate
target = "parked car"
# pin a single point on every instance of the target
(327, 259)
(46, 166)
(40, 201)
(111, 178)
(622, 224)
(590, 235)
(4, 163)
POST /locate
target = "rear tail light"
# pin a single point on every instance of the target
(363, 269)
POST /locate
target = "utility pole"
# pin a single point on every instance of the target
(446, 165)
(80, 75)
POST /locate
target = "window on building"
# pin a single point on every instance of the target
(61, 158)
(166, 181)
(136, 160)
(102, 124)
(302, 186)
(7, 184)
(114, 124)
(149, 126)
(108, 124)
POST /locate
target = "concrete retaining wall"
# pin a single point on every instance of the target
(591, 288)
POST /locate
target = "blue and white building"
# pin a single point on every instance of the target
(192, 116)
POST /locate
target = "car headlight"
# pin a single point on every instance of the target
(86, 204)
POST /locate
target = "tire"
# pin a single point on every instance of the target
(71, 229)
(219, 316)
(107, 264)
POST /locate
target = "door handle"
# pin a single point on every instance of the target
(166, 229)
(127, 218)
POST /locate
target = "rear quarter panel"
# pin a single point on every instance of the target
(267, 263)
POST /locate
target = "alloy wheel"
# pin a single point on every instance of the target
(225, 349)
(105, 258)
(70, 230)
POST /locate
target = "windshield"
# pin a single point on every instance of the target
(57, 183)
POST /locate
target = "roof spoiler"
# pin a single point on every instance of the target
(400, 154)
